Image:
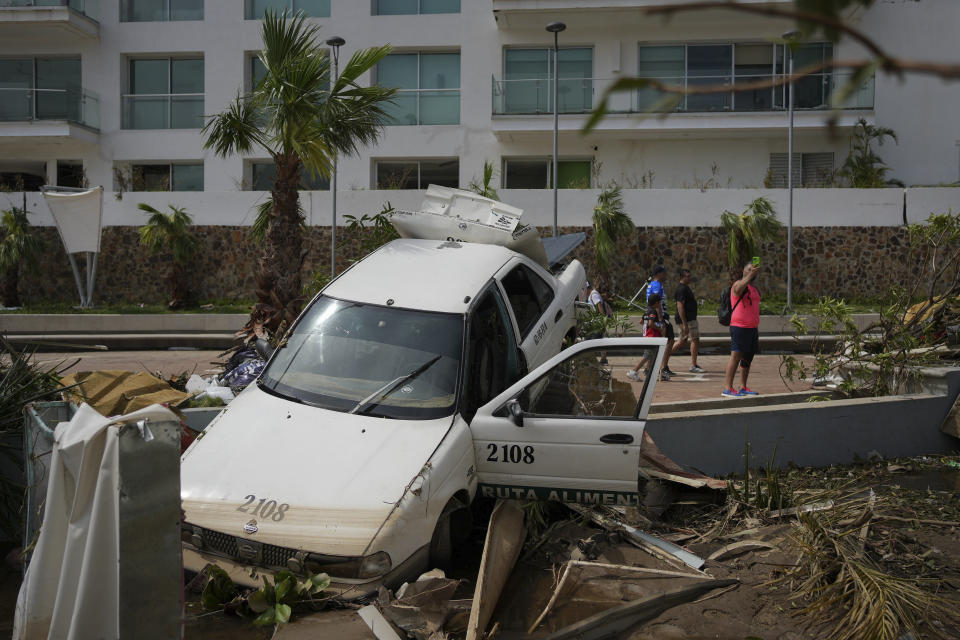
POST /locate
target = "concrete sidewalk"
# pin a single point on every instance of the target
(764, 377)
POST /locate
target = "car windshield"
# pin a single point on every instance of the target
(340, 353)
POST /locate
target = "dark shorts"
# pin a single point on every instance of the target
(668, 331)
(745, 340)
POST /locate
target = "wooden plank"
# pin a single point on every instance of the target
(505, 537)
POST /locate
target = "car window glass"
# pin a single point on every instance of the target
(492, 360)
(341, 352)
(529, 296)
(593, 382)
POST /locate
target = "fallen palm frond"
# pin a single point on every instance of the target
(845, 584)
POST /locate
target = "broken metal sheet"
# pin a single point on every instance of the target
(377, 623)
(613, 622)
(421, 608)
(656, 465)
(651, 543)
(505, 536)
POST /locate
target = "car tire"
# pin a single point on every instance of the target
(441, 544)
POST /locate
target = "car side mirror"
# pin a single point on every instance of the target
(515, 412)
(263, 348)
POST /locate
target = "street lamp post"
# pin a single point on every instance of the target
(555, 28)
(789, 37)
(335, 43)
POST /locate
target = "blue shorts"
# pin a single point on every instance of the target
(746, 341)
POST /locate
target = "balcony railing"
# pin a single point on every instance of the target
(163, 111)
(424, 106)
(527, 97)
(575, 95)
(27, 105)
(89, 8)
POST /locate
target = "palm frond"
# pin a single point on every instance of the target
(610, 223)
(234, 130)
(18, 244)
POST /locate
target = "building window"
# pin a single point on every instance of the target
(262, 174)
(40, 89)
(527, 85)
(153, 176)
(417, 174)
(70, 173)
(254, 9)
(536, 173)
(160, 10)
(809, 170)
(428, 87)
(413, 7)
(164, 93)
(730, 65)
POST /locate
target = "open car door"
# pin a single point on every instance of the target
(570, 430)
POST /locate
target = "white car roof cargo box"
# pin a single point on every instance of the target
(464, 216)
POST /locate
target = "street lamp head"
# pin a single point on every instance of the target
(336, 41)
(556, 27)
(790, 35)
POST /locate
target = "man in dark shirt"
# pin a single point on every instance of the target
(687, 319)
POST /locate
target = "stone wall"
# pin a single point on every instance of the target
(836, 261)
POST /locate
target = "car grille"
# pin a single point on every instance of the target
(271, 556)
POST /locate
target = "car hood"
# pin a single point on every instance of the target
(333, 478)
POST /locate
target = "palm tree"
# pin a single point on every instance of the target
(757, 224)
(863, 168)
(170, 233)
(485, 187)
(610, 224)
(301, 120)
(18, 245)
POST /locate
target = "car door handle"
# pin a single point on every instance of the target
(617, 438)
(559, 315)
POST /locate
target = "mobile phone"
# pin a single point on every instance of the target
(756, 261)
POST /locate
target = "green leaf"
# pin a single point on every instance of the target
(283, 613)
(266, 618)
(258, 602)
(283, 587)
(219, 590)
(320, 582)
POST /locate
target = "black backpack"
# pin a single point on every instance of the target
(724, 311)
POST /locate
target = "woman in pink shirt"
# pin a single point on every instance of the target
(744, 334)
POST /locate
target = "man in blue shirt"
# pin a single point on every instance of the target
(656, 286)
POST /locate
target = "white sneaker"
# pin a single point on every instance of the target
(633, 375)
(696, 369)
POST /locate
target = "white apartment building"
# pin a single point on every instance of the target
(114, 92)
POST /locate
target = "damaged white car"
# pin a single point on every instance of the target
(429, 372)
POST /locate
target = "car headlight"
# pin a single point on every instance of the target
(372, 566)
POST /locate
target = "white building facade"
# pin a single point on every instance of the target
(114, 92)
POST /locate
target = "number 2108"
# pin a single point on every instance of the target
(510, 453)
(265, 508)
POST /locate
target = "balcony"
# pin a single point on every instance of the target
(31, 19)
(534, 14)
(49, 115)
(163, 111)
(517, 102)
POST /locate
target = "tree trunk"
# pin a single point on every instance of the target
(279, 297)
(180, 289)
(9, 287)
